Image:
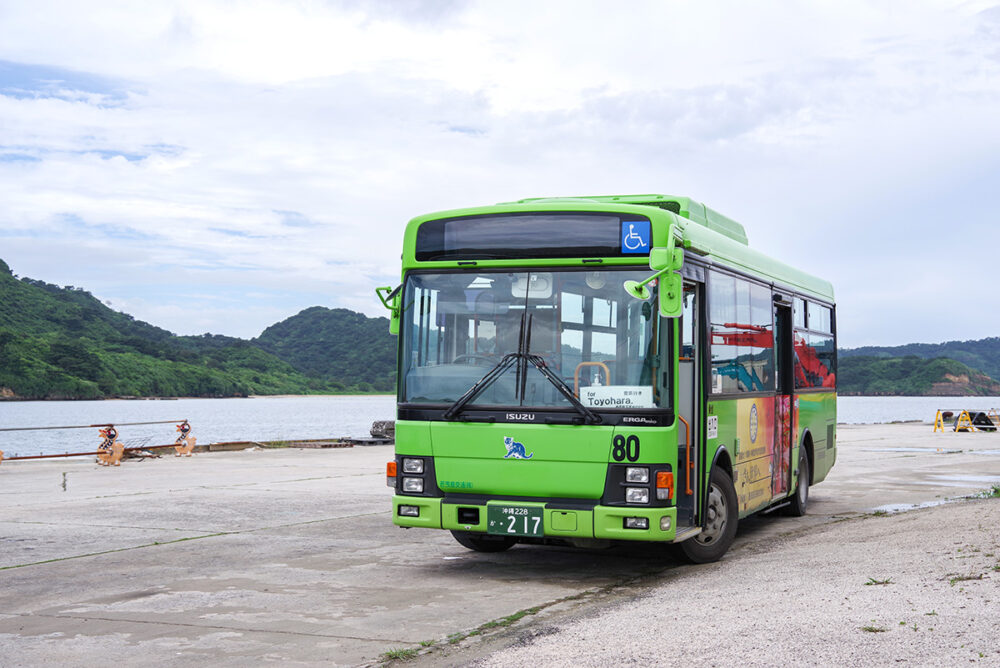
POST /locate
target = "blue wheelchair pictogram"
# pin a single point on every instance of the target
(635, 236)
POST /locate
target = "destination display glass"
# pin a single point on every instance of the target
(533, 235)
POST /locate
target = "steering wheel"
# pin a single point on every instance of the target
(474, 358)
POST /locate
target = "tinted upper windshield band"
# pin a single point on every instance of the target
(559, 235)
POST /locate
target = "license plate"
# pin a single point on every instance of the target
(514, 521)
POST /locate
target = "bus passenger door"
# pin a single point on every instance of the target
(784, 400)
(688, 380)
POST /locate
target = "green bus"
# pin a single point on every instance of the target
(594, 369)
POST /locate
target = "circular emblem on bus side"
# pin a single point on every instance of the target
(753, 423)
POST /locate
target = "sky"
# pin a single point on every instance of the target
(218, 166)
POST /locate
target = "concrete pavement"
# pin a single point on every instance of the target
(289, 555)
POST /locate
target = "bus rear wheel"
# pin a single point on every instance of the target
(483, 543)
(721, 517)
(797, 508)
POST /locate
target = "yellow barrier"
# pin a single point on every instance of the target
(964, 420)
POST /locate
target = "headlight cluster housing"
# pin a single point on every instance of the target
(637, 485)
(416, 476)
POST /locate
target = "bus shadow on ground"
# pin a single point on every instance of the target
(550, 563)
(592, 566)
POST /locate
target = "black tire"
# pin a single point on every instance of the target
(721, 518)
(483, 542)
(797, 508)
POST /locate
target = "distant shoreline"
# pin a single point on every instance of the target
(247, 396)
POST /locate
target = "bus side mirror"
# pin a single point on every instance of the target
(390, 300)
(666, 262)
(671, 290)
(660, 258)
(671, 284)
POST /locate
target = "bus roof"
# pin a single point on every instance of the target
(682, 206)
(712, 236)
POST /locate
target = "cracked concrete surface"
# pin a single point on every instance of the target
(289, 556)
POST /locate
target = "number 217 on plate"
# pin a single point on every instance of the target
(514, 521)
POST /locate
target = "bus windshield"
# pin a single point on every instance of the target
(607, 347)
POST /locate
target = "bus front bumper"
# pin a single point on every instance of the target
(601, 522)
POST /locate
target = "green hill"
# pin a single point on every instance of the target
(982, 355)
(911, 376)
(336, 345)
(62, 342)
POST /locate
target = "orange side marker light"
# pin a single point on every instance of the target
(664, 485)
(390, 474)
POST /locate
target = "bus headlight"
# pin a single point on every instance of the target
(413, 465)
(414, 485)
(632, 494)
(636, 474)
(409, 511)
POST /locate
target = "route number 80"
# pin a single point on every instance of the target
(625, 448)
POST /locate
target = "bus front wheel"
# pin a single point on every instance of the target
(797, 508)
(719, 528)
(481, 543)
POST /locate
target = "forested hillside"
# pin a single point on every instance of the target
(982, 355)
(62, 342)
(337, 345)
(912, 376)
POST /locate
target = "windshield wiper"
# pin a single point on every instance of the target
(589, 416)
(522, 358)
(509, 360)
(505, 363)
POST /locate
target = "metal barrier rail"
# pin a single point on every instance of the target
(91, 426)
(111, 450)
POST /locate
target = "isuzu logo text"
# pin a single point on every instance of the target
(521, 417)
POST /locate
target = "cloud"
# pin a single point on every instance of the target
(271, 153)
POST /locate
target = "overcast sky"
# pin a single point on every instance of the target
(218, 166)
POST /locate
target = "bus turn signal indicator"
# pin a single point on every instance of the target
(664, 485)
(390, 474)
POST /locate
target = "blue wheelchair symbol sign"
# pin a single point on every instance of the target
(635, 236)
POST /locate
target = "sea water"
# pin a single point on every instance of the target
(873, 410)
(212, 420)
(304, 417)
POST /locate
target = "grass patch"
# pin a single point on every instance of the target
(456, 638)
(399, 654)
(873, 629)
(991, 493)
(510, 619)
(964, 578)
(873, 581)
